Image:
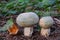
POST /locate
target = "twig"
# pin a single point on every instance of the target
(57, 20)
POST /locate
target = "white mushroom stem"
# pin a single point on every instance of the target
(45, 32)
(28, 31)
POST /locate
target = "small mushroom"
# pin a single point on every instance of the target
(46, 23)
(27, 20)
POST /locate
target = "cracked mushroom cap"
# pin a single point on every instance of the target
(46, 22)
(27, 19)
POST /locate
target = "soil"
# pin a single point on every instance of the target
(55, 32)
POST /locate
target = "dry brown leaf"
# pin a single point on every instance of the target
(13, 30)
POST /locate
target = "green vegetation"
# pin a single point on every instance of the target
(19, 6)
(8, 24)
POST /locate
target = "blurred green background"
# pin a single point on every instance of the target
(9, 7)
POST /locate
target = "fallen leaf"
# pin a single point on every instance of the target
(13, 30)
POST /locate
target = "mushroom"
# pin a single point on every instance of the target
(27, 20)
(46, 23)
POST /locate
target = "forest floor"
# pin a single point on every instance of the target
(55, 32)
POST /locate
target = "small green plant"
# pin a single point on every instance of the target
(8, 24)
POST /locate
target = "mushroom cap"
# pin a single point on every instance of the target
(27, 19)
(46, 22)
